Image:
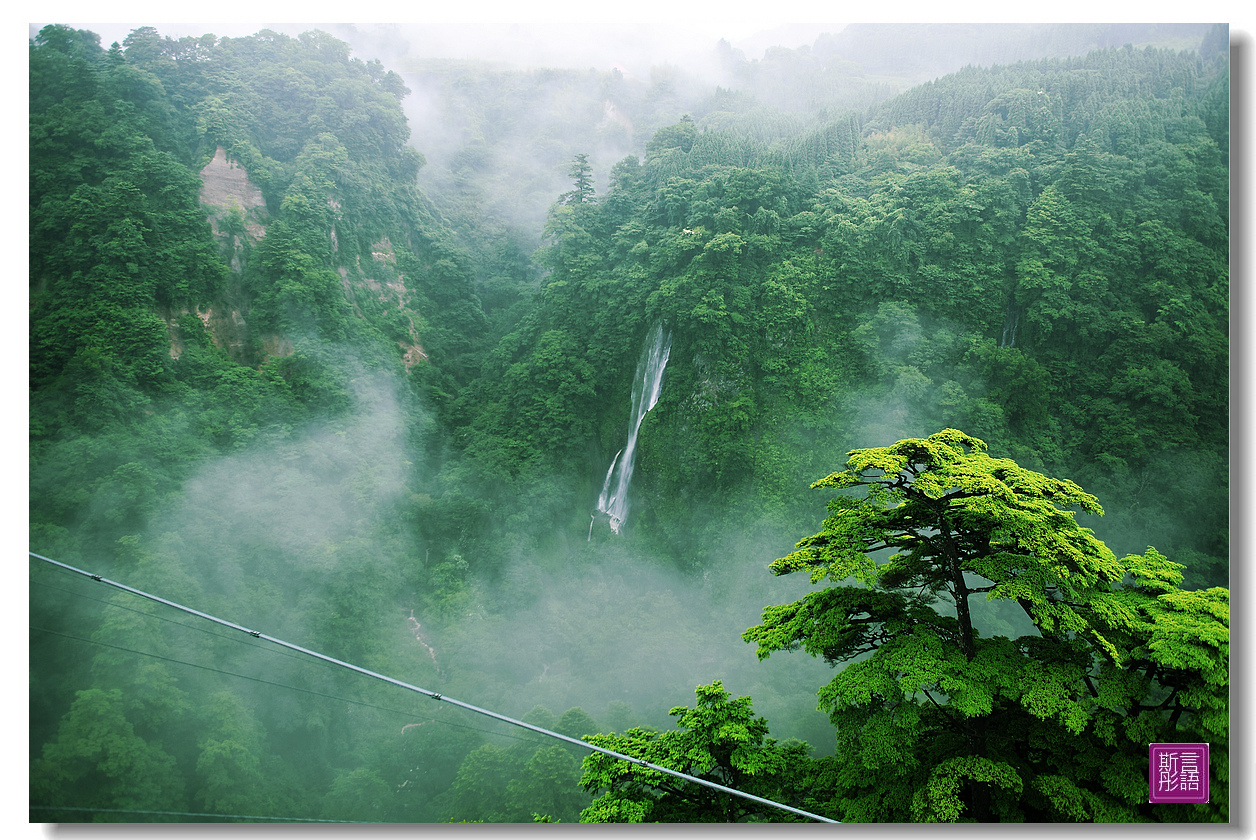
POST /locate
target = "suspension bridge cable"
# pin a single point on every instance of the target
(248, 644)
(167, 619)
(257, 634)
(410, 715)
(285, 654)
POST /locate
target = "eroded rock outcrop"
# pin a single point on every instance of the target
(236, 210)
(225, 185)
(237, 213)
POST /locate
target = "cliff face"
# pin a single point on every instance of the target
(381, 280)
(238, 216)
(225, 185)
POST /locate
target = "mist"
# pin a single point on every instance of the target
(396, 526)
(313, 533)
(298, 523)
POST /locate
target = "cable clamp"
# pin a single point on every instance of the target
(436, 696)
(256, 634)
(97, 578)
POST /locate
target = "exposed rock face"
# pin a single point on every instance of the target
(225, 326)
(612, 115)
(228, 329)
(276, 345)
(390, 292)
(237, 214)
(413, 354)
(226, 185)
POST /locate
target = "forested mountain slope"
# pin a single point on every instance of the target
(270, 379)
(1043, 263)
(499, 138)
(924, 51)
(127, 325)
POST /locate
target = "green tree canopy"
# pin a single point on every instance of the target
(720, 739)
(938, 722)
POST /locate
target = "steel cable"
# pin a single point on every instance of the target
(257, 634)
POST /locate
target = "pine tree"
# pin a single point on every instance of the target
(938, 722)
(582, 174)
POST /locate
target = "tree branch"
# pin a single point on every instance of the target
(943, 709)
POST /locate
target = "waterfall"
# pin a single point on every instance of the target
(1011, 320)
(603, 500)
(646, 387)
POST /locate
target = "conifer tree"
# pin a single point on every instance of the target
(582, 175)
(937, 722)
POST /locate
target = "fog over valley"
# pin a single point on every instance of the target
(834, 415)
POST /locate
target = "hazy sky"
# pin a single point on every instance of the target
(542, 41)
(734, 21)
(581, 34)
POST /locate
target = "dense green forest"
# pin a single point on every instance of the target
(287, 371)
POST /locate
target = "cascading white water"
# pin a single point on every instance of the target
(646, 387)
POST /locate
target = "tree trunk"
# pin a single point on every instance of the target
(974, 728)
(959, 589)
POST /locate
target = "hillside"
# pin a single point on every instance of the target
(287, 370)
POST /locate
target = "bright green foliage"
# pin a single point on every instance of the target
(938, 722)
(720, 740)
(1178, 639)
(939, 801)
(949, 509)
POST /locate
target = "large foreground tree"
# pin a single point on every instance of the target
(936, 721)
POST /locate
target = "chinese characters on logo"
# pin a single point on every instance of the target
(1177, 772)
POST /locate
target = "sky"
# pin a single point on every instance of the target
(734, 22)
(533, 42)
(553, 29)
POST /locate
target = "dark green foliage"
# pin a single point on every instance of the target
(514, 783)
(98, 755)
(378, 428)
(582, 176)
(137, 386)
